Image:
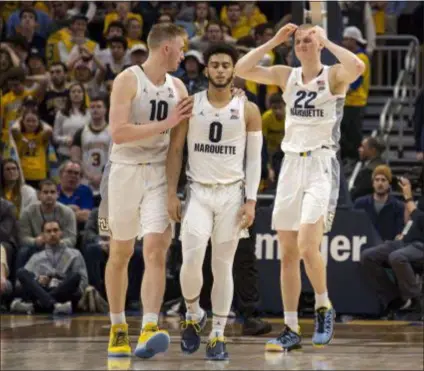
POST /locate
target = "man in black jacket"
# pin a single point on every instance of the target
(403, 256)
(370, 154)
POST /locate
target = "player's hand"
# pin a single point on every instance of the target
(284, 34)
(43, 280)
(181, 112)
(247, 214)
(39, 240)
(237, 92)
(319, 33)
(174, 207)
(420, 156)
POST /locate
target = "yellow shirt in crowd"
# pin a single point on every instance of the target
(255, 19)
(273, 130)
(32, 150)
(357, 95)
(111, 17)
(10, 105)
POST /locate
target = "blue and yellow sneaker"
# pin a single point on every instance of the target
(152, 341)
(288, 340)
(216, 349)
(190, 335)
(119, 342)
(324, 326)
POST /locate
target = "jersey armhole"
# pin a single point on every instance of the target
(138, 77)
(336, 96)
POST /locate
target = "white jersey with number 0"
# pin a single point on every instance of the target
(216, 141)
(151, 103)
(313, 113)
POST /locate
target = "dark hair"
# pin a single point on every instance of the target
(247, 41)
(50, 221)
(30, 11)
(118, 39)
(221, 48)
(261, 28)
(65, 68)
(16, 191)
(213, 23)
(19, 41)
(68, 106)
(99, 98)
(78, 17)
(27, 112)
(229, 5)
(376, 144)
(276, 98)
(46, 182)
(116, 24)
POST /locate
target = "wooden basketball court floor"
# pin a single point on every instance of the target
(79, 343)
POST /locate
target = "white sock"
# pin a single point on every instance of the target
(218, 326)
(150, 318)
(291, 320)
(194, 312)
(321, 300)
(118, 318)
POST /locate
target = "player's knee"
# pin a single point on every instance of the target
(221, 267)
(120, 253)
(154, 256)
(290, 256)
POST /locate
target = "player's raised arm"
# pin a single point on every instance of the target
(124, 90)
(350, 67)
(247, 66)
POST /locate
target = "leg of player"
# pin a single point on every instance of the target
(191, 280)
(116, 281)
(309, 241)
(152, 340)
(222, 296)
(289, 339)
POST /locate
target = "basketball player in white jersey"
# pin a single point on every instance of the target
(308, 186)
(146, 102)
(224, 138)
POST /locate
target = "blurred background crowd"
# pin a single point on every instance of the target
(58, 60)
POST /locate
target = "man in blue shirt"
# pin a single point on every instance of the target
(385, 211)
(77, 196)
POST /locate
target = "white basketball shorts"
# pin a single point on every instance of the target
(213, 212)
(136, 200)
(307, 189)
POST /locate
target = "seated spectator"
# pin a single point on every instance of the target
(91, 144)
(27, 28)
(34, 216)
(235, 20)
(134, 31)
(43, 20)
(385, 211)
(250, 13)
(213, 34)
(122, 14)
(77, 39)
(56, 94)
(77, 196)
(95, 249)
(400, 255)
(104, 77)
(193, 77)
(370, 153)
(67, 122)
(5, 285)
(9, 231)
(138, 54)
(32, 138)
(54, 279)
(419, 125)
(13, 188)
(356, 98)
(115, 29)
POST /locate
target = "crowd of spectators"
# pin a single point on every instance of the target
(58, 60)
